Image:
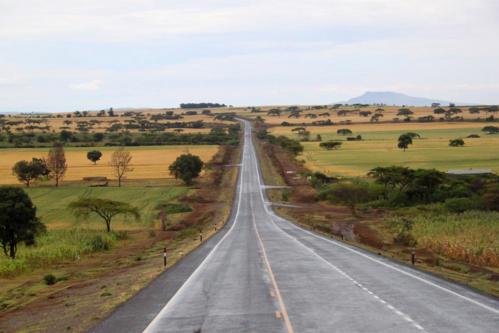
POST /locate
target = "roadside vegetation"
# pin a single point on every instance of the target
(98, 218)
(371, 192)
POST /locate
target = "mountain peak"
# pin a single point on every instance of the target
(393, 98)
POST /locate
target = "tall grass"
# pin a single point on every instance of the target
(58, 246)
(472, 237)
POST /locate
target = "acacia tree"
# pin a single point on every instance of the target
(120, 162)
(104, 208)
(28, 172)
(18, 221)
(94, 156)
(56, 163)
(186, 167)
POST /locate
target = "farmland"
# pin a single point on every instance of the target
(379, 147)
(82, 258)
(148, 162)
(456, 241)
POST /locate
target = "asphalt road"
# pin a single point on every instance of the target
(264, 274)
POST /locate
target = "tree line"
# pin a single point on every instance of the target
(201, 105)
(217, 136)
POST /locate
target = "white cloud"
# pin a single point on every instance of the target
(244, 52)
(86, 86)
(131, 20)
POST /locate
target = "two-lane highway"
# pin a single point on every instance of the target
(265, 274)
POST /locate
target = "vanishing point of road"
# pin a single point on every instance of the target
(262, 273)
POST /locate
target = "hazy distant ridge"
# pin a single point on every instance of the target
(394, 98)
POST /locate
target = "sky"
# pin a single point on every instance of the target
(66, 55)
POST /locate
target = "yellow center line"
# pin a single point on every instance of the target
(284, 312)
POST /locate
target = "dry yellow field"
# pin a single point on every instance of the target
(389, 113)
(57, 124)
(148, 162)
(361, 128)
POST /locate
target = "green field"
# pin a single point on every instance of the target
(379, 148)
(68, 238)
(52, 202)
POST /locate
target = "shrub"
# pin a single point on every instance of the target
(99, 243)
(329, 145)
(348, 194)
(285, 195)
(461, 205)
(456, 143)
(404, 236)
(49, 279)
(120, 235)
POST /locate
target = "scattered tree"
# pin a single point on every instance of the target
(104, 208)
(18, 221)
(456, 143)
(343, 131)
(27, 172)
(413, 135)
(56, 163)
(94, 156)
(404, 112)
(329, 145)
(120, 162)
(274, 112)
(404, 141)
(186, 167)
(490, 129)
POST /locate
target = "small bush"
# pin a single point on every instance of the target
(405, 238)
(49, 279)
(285, 195)
(99, 243)
(120, 235)
(461, 205)
(187, 233)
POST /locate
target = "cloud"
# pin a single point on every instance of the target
(127, 20)
(244, 52)
(86, 86)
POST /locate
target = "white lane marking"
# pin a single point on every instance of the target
(484, 306)
(346, 275)
(334, 267)
(151, 327)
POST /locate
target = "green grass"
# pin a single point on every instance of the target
(69, 238)
(52, 203)
(379, 148)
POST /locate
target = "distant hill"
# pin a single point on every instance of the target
(394, 98)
